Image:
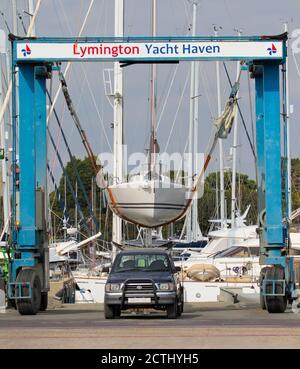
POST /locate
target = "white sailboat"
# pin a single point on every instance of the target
(149, 203)
(149, 199)
(154, 195)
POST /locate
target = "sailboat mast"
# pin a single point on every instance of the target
(234, 151)
(15, 17)
(221, 154)
(118, 121)
(196, 232)
(31, 11)
(192, 216)
(153, 114)
(5, 182)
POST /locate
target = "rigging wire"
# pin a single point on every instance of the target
(9, 90)
(5, 22)
(84, 72)
(72, 160)
(74, 165)
(241, 115)
(205, 83)
(188, 15)
(69, 63)
(58, 194)
(167, 96)
(177, 110)
(102, 10)
(68, 180)
(78, 231)
(70, 132)
(296, 64)
(172, 81)
(20, 17)
(76, 120)
(96, 107)
(54, 159)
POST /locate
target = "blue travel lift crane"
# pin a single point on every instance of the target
(28, 270)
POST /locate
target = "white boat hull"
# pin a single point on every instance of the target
(147, 204)
(194, 291)
(94, 285)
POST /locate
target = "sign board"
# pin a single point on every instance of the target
(130, 51)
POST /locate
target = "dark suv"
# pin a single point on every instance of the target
(144, 278)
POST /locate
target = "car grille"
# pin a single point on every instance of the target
(137, 287)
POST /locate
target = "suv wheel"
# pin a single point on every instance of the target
(109, 312)
(262, 298)
(172, 310)
(180, 308)
(117, 311)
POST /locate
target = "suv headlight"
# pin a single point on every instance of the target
(165, 286)
(112, 287)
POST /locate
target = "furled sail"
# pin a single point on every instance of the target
(225, 121)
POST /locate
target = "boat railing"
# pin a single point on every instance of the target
(228, 269)
(158, 171)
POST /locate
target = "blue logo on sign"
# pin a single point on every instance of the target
(26, 51)
(272, 50)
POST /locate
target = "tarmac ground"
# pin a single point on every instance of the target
(202, 325)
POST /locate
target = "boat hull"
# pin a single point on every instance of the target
(148, 204)
(194, 291)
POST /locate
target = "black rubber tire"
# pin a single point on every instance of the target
(117, 311)
(12, 304)
(275, 304)
(172, 310)
(30, 306)
(109, 311)
(180, 307)
(262, 299)
(182, 301)
(44, 301)
(179, 312)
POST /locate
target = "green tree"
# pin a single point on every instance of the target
(86, 174)
(295, 179)
(246, 195)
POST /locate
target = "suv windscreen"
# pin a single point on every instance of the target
(141, 262)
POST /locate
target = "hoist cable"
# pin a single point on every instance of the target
(241, 115)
